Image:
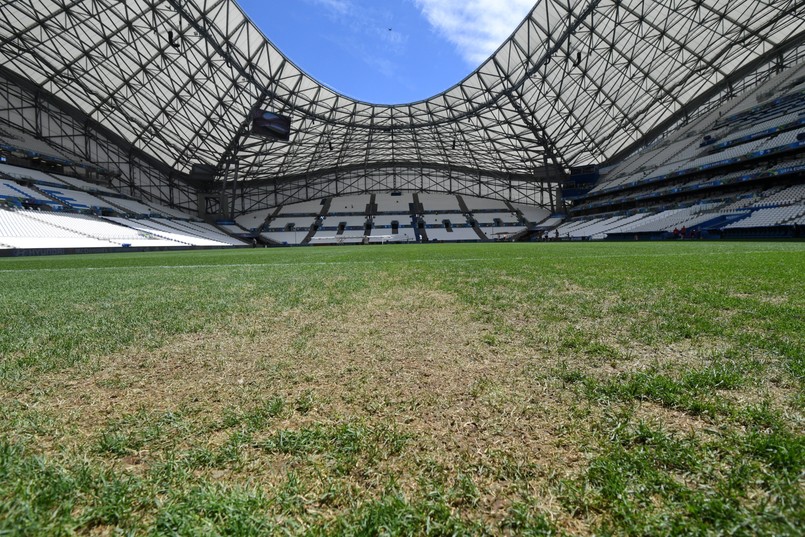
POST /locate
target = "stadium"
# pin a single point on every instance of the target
(563, 296)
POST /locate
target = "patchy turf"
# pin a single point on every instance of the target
(535, 389)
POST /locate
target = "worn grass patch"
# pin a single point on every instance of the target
(538, 389)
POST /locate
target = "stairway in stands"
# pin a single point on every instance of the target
(521, 217)
(417, 208)
(466, 210)
(325, 208)
(371, 210)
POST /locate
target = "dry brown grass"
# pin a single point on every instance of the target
(414, 360)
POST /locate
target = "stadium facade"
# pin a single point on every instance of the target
(154, 99)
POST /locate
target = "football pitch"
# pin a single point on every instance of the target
(445, 389)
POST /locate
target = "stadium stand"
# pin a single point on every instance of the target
(288, 229)
(499, 219)
(349, 204)
(132, 207)
(393, 202)
(551, 223)
(79, 184)
(20, 195)
(78, 200)
(440, 203)
(167, 230)
(499, 225)
(233, 229)
(99, 229)
(771, 217)
(23, 230)
(200, 229)
(304, 208)
(28, 174)
(533, 215)
(453, 233)
(255, 220)
(448, 227)
(31, 188)
(168, 212)
(483, 204)
(739, 168)
(340, 228)
(283, 237)
(399, 226)
(14, 139)
(391, 217)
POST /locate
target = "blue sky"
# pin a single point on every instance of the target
(387, 51)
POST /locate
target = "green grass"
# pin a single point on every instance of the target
(534, 389)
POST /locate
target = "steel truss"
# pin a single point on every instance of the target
(578, 82)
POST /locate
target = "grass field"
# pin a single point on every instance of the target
(537, 389)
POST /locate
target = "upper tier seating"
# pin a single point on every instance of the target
(334, 220)
(495, 218)
(388, 203)
(736, 167)
(775, 216)
(305, 207)
(83, 185)
(131, 206)
(291, 223)
(76, 198)
(11, 189)
(157, 208)
(28, 174)
(784, 196)
(482, 204)
(443, 203)
(534, 215)
(736, 129)
(385, 220)
(349, 204)
(437, 219)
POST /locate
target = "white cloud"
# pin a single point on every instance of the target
(341, 7)
(476, 27)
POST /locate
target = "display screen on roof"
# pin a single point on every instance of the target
(272, 126)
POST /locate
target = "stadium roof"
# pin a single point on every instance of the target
(576, 83)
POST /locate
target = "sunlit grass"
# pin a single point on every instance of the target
(541, 389)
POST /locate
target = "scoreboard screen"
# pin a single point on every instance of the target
(270, 125)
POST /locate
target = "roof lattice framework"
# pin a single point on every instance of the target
(577, 82)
